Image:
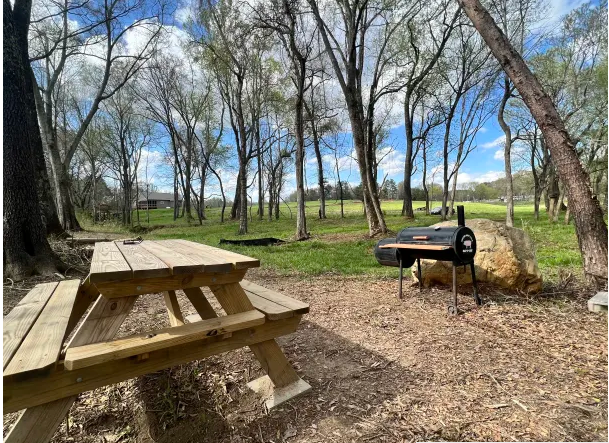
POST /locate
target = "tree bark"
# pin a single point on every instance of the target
(26, 249)
(22, 13)
(587, 214)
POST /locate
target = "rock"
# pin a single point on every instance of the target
(505, 257)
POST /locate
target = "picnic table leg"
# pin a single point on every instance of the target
(200, 303)
(38, 424)
(281, 383)
(173, 308)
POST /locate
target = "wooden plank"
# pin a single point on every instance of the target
(87, 294)
(178, 263)
(160, 284)
(237, 260)
(200, 303)
(106, 315)
(90, 355)
(272, 310)
(20, 320)
(19, 394)
(173, 308)
(108, 263)
(233, 299)
(415, 246)
(41, 426)
(41, 347)
(143, 262)
(211, 262)
(52, 412)
(276, 297)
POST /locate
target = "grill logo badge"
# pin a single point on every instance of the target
(467, 243)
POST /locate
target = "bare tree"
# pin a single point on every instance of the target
(227, 38)
(130, 134)
(286, 18)
(421, 61)
(363, 22)
(56, 51)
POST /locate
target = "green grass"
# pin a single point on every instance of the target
(340, 245)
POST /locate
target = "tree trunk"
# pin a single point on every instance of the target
(407, 209)
(375, 225)
(242, 199)
(453, 193)
(187, 184)
(176, 195)
(588, 217)
(558, 207)
(301, 216)
(63, 194)
(320, 172)
(425, 190)
(22, 13)
(507, 153)
(234, 211)
(260, 160)
(553, 194)
(537, 198)
(26, 249)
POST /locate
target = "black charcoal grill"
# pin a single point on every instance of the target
(456, 244)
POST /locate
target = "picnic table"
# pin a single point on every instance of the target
(44, 372)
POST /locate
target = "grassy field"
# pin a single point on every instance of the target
(340, 245)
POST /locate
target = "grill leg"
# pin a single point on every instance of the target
(401, 276)
(475, 284)
(452, 310)
(419, 274)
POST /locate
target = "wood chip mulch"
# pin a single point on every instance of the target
(532, 369)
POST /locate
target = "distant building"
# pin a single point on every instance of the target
(157, 200)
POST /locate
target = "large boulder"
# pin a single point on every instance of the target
(504, 257)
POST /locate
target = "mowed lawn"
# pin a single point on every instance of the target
(341, 246)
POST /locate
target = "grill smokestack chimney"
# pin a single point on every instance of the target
(460, 216)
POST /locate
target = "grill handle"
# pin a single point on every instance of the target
(420, 237)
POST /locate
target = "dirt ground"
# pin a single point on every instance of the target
(381, 370)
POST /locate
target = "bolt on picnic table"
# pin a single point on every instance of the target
(43, 375)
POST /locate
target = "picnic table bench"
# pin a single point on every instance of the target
(43, 373)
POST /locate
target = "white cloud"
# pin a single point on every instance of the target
(498, 155)
(392, 160)
(499, 141)
(482, 130)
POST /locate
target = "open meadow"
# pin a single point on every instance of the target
(342, 246)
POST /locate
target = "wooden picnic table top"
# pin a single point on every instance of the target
(118, 261)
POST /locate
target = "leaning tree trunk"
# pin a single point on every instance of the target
(26, 249)
(587, 214)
